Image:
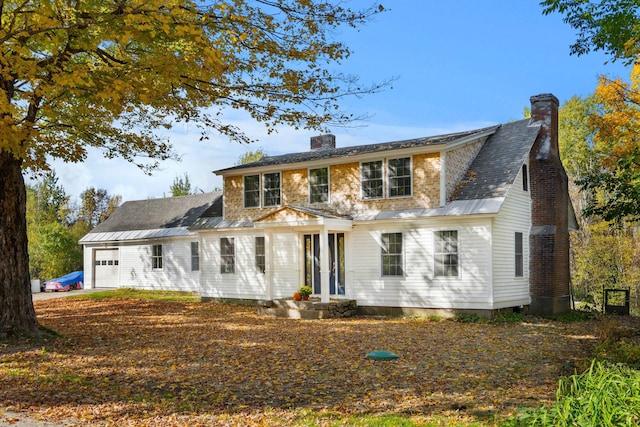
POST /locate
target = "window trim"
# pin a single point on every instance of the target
(382, 180)
(260, 257)
(265, 189)
(156, 256)
(518, 256)
(195, 256)
(437, 253)
(397, 265)
(227, 259)
(410, 176)
(311, 186)
(244, 191)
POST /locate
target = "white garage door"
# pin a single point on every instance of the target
(106, 268)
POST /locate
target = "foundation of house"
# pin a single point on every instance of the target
(311, 309)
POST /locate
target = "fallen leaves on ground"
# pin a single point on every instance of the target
(141, 362)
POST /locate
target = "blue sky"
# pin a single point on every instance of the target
(457, 65)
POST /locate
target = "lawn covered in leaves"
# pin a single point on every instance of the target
(141, 362)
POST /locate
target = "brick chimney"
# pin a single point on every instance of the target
(323, 142)
(549, 235)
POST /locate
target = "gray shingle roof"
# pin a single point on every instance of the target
(498, 163)
(326, 154)
(169, 212)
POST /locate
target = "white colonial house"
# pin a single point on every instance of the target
(474, 220)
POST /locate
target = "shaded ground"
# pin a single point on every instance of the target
(141, 362)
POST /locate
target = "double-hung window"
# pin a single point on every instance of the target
(260, 255)
(262, 190)
(399, 172)
(519, 255)
(227, 255)
(252, 191)
(446, 254)
(372, 180)
(271, 189)
(392, 254)
(195, 256)
(156, 257)
(319, 185)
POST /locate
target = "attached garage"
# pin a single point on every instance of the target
(121, 250)
(106, 268)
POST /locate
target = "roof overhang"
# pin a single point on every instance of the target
(135, 235)
(455, 208)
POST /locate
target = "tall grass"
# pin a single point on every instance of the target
(605, 395)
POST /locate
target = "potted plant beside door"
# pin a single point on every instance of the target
(305, 291)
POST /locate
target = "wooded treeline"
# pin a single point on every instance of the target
(55, 224)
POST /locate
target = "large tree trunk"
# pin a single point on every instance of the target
(17, 315)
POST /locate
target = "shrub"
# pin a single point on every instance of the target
(605, 395)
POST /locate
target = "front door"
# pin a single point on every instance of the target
(336, 263)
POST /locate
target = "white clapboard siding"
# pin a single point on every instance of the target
(514, 216)
(287, 264)
(247, 282)
(176, 275)
(418, 287)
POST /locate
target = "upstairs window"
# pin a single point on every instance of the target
(252, 191)
(156, 257)
(271, 184)
(372, 180)
(227, 255)
(446, 254)
(525, 178)
(399, 177)
(319, 185)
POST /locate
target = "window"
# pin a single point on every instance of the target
(392, 254)
(400, 177)
(446, 254)
(156, 256)
(319, 185)
(260, 255)
(525, 178)
(519, 256)
(371, 173)
(271, 189)
(227, 255)
(195, 256)
(252, 191)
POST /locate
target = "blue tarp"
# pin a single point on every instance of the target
(69, 279)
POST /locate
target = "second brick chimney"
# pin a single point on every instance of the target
(549, 235)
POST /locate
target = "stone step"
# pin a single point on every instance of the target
(312, 309)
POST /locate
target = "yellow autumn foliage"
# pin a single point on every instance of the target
(617, 125)
(108, 74)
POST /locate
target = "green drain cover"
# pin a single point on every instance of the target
(382, 355)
